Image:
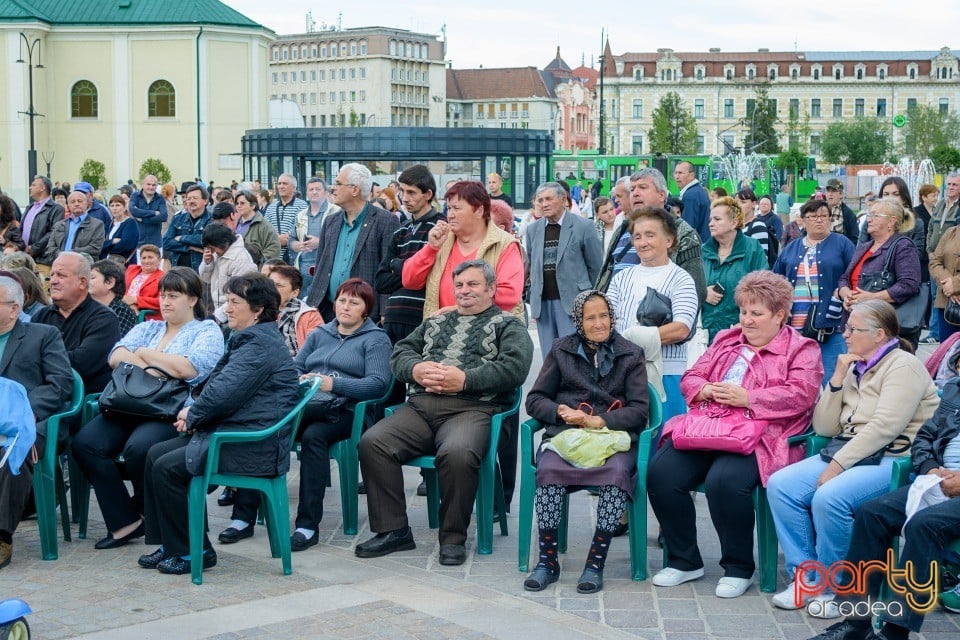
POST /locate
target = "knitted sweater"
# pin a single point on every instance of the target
(492, 348)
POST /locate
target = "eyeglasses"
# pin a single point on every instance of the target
(816, 218)
(879, 215)
(343, 184)
(7, 302)
(850, 329)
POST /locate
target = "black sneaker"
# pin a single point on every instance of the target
(846, 630)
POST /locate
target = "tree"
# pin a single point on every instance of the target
(945, 158)
(155, 167)
(762, 136)
(798, 136)
(927, 129)
(354, 118)
(863, 141)
(94, 172)
(674, 128)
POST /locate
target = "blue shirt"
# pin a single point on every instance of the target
(314, 227)
(343, 259)
(199, 341)
(72, 225)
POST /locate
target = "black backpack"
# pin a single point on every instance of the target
(774, 244)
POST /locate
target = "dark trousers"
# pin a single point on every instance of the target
(455, 430)
(507, 455)
(927, 535)
(96, 447)
(14, 495)
(315, 442)
(729, 481)
(166, 498)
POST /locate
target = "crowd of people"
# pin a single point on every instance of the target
(812, 326)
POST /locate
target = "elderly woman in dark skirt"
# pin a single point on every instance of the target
(595, 367)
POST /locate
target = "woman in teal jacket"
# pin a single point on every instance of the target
(727, 256)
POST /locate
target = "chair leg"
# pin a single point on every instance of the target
(44, 492)
(525, 522)
(197, 511)
(278, 505)
(76, 497)
(500, 502)
(767, 544)
(62, 499)
(637, 535)
(349, 466)
(562, 533)
(433, 498)
(485, 511)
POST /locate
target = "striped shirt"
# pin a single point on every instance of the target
(757, 230)
(627, 289)
(283, 218)
(806, 291)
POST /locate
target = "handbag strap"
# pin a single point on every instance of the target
(889, 256)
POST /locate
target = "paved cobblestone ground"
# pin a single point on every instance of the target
(332, 594)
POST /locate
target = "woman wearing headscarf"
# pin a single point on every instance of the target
(592, 379)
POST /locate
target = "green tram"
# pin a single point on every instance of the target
(587, 166)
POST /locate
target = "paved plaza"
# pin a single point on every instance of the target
(332, 594)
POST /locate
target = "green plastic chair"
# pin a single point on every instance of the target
(79, 485)
(48, 479)
(146, 314)
(636, 510)
(348, 460)
(489, 489)
(273, 490)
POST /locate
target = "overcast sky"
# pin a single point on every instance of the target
(498, 33)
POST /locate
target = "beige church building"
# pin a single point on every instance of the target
(120, 81)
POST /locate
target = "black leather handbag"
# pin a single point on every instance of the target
(952, 313)
(910, 312)
(655, 310)
(134, 393)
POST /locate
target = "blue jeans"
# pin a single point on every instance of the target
(816, 523)
(553, 323)
(944, 328)
(675, 404)
(829, 350)
(936, 320)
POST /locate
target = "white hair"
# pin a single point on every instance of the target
(12, 290)
(359, 175)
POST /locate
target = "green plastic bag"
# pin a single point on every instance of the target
(588, 448)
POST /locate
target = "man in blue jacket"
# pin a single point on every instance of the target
(183, 242)
(149, 210)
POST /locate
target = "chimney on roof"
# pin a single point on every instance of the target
(714, 49)
(763, 50)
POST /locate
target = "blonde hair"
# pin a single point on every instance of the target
(733, 209)
(893, 207)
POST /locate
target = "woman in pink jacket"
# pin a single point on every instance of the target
(766, 372)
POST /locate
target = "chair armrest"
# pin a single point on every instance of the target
(900, 473)
(361, 408)
(527, 429)
(815, 443)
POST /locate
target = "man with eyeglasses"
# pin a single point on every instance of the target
(842, 218)
(282, 213)
(34, 356)
(945, 215)
(353, 241)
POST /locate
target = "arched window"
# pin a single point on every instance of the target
(161, 100)
(83, 100)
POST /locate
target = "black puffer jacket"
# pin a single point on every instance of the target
(931, 441)
(252, 387)
(567, 378)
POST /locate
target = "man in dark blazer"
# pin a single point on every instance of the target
(34, 356)
(39, 219)
(696, 204)
(565, 256)
(353, 241)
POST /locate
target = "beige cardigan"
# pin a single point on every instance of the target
(893, 398)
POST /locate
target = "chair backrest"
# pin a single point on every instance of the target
(655, 419)
(308, 389)
(76, 400)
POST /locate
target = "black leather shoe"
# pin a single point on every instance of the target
(361, 489)
(541, 578)
(299, 542)
(590, 581)
(384, 543)
(175, 565)
(422, 488)
(151, 560)
(844, 630)
(227, 497)
(452, 555)
(112, 543)
(231, 535)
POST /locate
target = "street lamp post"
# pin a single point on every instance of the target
(31, 112)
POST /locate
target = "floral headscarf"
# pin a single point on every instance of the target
(604, 350)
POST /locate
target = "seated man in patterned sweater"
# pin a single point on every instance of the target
(461, 367)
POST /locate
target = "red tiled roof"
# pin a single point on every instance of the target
(489, 84)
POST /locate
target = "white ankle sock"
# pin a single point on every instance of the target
(239, 525)
(306, 533)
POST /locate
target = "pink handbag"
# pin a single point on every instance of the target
(716, 427)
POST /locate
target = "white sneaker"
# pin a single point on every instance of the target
(732, 587)
(824, 607)
(670, 577)
(786, 599)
